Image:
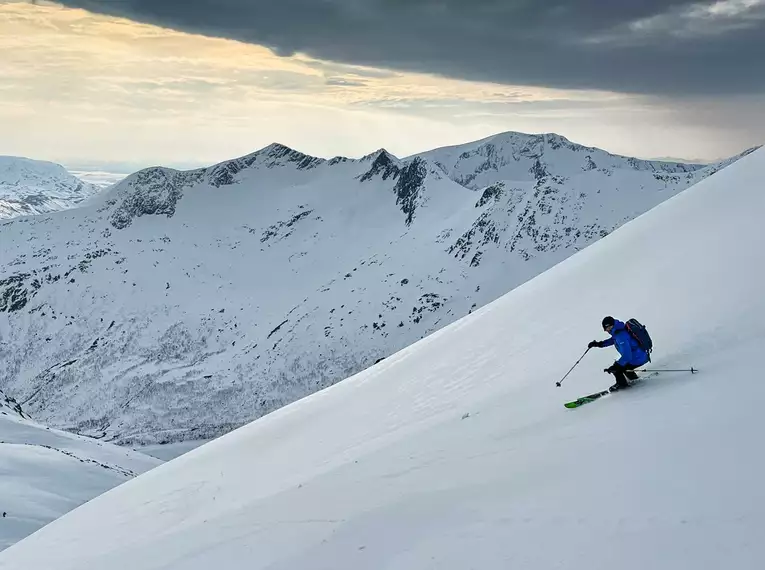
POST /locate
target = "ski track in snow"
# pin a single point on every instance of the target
(456, 452)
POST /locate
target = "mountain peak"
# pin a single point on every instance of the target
(277, 154)
(517, 135)
(383, 163)
(276, 146)
(514, 156)
(530, 143)
(372, 156)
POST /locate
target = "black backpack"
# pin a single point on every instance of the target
(640, 334)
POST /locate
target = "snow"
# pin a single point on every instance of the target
(168, 451)
(178, 306)
(456, 452)
(29, 187)
(46, 472)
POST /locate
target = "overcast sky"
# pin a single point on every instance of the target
(188, 82)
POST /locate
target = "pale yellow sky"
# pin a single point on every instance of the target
(80, 88)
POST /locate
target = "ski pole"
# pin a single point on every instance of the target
(574, 366)
(692, 370)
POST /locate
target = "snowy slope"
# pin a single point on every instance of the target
(46, 472)
(180, 305)
(37, 187)
(457, 453)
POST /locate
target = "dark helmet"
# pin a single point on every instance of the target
(607, 321)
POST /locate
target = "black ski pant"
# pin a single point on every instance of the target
(622, 372)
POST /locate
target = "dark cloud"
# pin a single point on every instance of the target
(662, 47)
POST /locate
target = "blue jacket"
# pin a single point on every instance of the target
(628, 347)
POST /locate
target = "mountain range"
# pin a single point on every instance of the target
(179, 305)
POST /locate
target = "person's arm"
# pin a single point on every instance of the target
(601, 343)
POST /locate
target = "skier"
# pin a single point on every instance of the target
(632, 354)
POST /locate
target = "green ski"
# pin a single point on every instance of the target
(592, 397)
(586, 399)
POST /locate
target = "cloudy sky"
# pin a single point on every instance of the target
(130, 83)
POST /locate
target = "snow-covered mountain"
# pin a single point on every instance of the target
(37, 187)
(180, 305)
(46, 472)
(514, 156)
(457, 452)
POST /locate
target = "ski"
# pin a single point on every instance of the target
(592, 397)
(586, 399)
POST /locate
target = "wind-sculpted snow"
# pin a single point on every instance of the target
(180, 305)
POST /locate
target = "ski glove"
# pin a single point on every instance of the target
(595, 343)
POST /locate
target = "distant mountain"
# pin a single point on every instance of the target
(513, 156)
(684, 160)
(38, 187)
(98, 177)
(179, 305)
(47, 472)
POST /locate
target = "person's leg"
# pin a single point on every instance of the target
(621, 380)
(629, 372)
